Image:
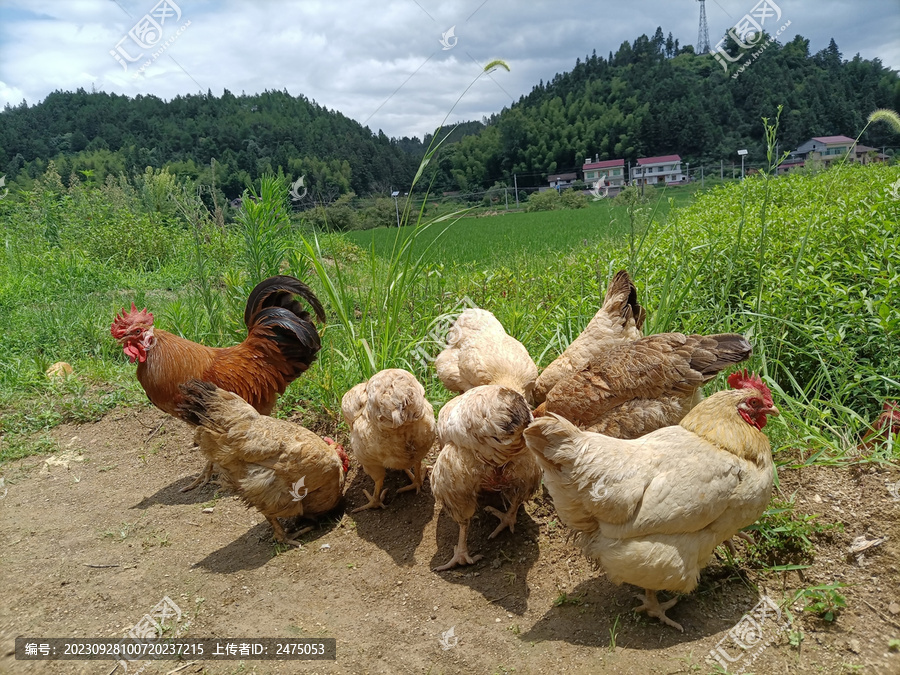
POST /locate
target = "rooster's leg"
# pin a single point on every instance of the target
(653, 608)
(202, 479)
(376, 499)
(507, 519)
(460, 551)
(417, 480)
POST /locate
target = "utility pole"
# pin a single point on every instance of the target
(516, 184)
(688, 172)
(506, 194)
(721, 169)
(701, 177)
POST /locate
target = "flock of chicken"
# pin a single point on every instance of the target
(649, 475)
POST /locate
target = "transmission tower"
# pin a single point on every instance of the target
(703, 34)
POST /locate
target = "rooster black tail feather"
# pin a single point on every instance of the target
(280, 291)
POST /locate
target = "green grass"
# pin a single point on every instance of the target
(807, 265)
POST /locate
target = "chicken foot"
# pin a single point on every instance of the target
(376, 499)
(460, 552)
(417, 476)
(281, 537)
(652, 606)
(507, 519)
(202, 479)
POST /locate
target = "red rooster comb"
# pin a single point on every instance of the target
(742, 379)
(127, 319)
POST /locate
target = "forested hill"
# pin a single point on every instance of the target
(653, 98)
(247, 135)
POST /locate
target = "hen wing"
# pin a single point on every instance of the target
(665, 365)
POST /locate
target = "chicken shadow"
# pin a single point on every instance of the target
(171, 494)
(501, 575)
(596, 609)
(399, 527)
(256, 547)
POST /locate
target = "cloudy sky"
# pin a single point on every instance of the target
(382, 63)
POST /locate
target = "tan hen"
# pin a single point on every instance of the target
(482, 450)
(391, 427)
(276, 466)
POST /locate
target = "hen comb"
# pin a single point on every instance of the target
(742, 379)
(126, 319)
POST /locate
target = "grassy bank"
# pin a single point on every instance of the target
(807, 265)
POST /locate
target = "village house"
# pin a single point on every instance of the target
(826, 149)
(609, 174)
(562, 181)
(657, 170)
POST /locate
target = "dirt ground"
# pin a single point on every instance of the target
(92, 540)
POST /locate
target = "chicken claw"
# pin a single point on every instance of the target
(375, 501)
(417, 478)
(460, 553)
(507, 519)
(202, 479)
(282, 538)
(653, 608)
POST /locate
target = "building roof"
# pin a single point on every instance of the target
(562, 176)
(643, 161)
(831, 140)
(605, 164)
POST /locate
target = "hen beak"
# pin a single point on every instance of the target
(771, 411)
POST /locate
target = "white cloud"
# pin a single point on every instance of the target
(353, 56)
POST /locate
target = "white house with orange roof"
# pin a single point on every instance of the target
(657, 170)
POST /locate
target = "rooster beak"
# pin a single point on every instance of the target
(771, 411)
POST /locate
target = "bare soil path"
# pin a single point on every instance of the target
(95, 537)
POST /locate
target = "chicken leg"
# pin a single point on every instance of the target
(460, 552)
(653, 608)
(417, 477)
(202, 479)
(376, 499)
(507, 519)
(281, 537)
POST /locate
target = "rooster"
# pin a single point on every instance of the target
(651, 510)
(483, 451)
(619, 320)
(633, 388)
(276, 466)
(391, 427)
(281, 344)
(479, 351)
